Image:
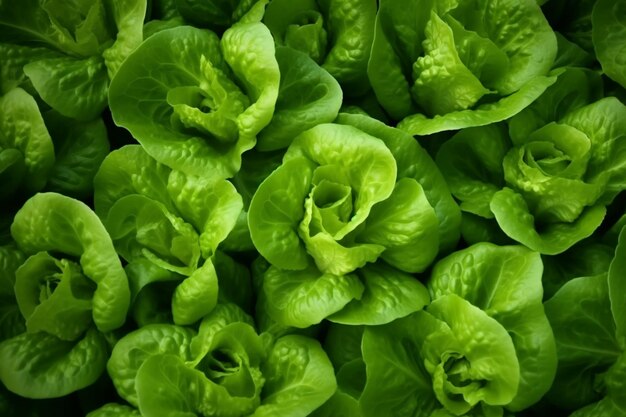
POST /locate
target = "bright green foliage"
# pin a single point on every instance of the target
(79, 250)
(313, 208)
(589, 322)
(167, 225)
(225, 369)
(483, 343)
(336, 34)
(68, 50)
(69, 289)
(336, 205)
(196, 102)
(308, 95)
(26, 149)
(39, 365)
(547, 181)
(46, 150)
(445, 65)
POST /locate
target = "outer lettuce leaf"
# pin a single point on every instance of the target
(505, 283)
(128, 17)
(76, 88)
(414, 162)
(11, 320)
(275, 211)
(608, 29)
(130, 352)
(459, 159)
(604, 407)
(387, 295)
(336, 203)
(603, 122)
(26, 149)
(584, 259)
(173, 220)
(209, 101)
(306, 297)
(445, 66)
(12, 66)
(308, 96)
(52, 222)
(482, 115)
(80, 149)
(213, 323)
(52, 23)
(569, 54)
(590, 341)
(299, 378)
(617, 289)
(83, 44)
(396, 364)
(548, 181)
(39, 365)
(586, 340)
(336, 34)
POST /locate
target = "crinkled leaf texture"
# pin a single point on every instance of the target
(39, 365)
(336, 206)
(449, 65)
(336, 34)
(56, 223)
(80, 45)
(608, 30)
(505, 283)
(173, 220)
(226, 369)
(483, 343)
(547, 181)
(26, 148)
(587, 315)
(80, 148)
(196, 102)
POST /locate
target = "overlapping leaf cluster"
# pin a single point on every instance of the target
(362, 208)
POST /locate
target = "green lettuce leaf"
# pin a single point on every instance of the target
(209, 101)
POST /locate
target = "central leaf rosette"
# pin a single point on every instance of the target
(167, 225)
(343, 227)
(326, 205)
(446, 65)
(225, 369)
(545, 179)
(71, 290)
(548, 169)
(337, 35)
(482, 347)
(196, 102)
